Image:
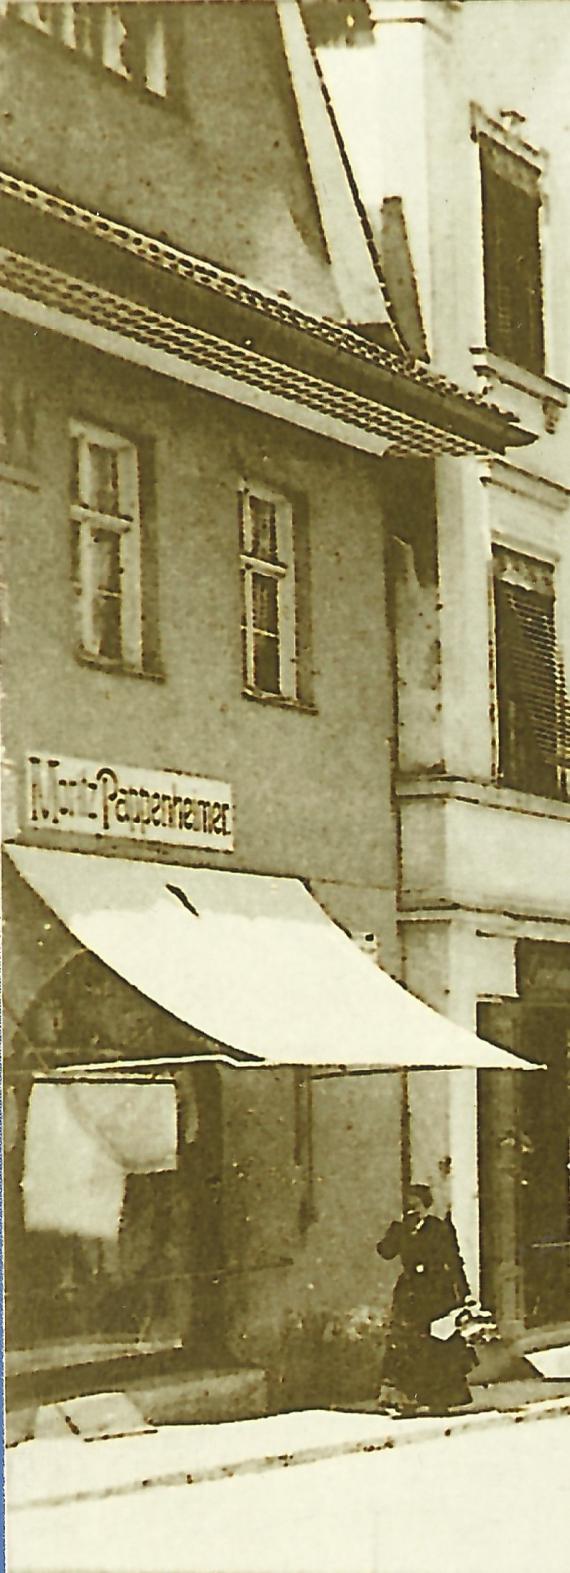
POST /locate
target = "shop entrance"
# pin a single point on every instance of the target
(524, 1154)
(544, 1188)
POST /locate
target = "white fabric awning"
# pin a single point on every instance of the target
(250, 961)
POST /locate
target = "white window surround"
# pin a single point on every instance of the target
(504, 130)
(529, 515)
(508, 137)
(496, 372)
(122, 525)
(278, 567)
(515, 523)
(530, 488)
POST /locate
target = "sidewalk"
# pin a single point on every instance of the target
(52, 1473)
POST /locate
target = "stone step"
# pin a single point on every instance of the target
(202, 1396)
(199, 1395)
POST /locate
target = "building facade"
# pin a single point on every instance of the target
(209, 426)
(461, 155)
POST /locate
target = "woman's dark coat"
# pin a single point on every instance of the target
(433, 1280)
(432, 1283)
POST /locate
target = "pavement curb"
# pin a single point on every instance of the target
(402, 1434)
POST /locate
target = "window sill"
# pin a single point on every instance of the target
(118, 668)
(551, 395)
(487, 794)
(278, 700)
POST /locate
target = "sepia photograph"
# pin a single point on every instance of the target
(285, 609)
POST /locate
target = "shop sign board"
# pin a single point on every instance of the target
(109, 801)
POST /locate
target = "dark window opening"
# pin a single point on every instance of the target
(512, 260)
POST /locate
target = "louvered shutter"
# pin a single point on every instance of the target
(511, 252)
(529, 689)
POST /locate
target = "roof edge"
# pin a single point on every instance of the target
(485, 427)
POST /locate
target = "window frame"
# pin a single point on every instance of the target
(126, 525)
(282, 572)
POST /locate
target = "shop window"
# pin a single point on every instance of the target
(530, 692)
(127, 39)
(512, 258)
(105, 547)
(113, 1182)
(268, 595)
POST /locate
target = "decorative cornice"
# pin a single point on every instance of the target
(506, 136)
(75, 300)
(487, 363)
(523, 483)
(209, 276)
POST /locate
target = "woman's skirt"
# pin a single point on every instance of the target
(429, 1372)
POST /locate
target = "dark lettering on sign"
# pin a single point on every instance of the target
(145, 813)
(85, 797)
(216, 819)
(108, 779)
(121, 809)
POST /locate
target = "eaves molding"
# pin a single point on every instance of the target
(32, 291)
(171, 259)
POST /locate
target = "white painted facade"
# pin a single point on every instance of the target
(483, 866)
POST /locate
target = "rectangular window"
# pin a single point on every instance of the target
(268, 594)
(531, 710)
(127, 39)
(511, 251)
(105, 546)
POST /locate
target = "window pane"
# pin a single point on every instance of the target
(106, 569)
(106, 547)
(263, 528)
(135, 21)
(266, 652)
(265, 603)
(75, 488)
(243, 541)
(75, 553)
(107, 627)
(244, 655)
(85, 27)
(104, 480)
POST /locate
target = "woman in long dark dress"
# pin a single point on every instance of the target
(426, 1371)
